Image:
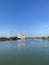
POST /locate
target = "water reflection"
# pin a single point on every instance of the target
(21, 43)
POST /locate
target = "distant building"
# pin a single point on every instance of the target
(21, 36)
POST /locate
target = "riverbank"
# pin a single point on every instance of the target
(8, 39)
(43, 38)
(16, 38)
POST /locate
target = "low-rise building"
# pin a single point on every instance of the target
(21, 36)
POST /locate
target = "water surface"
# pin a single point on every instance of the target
(25, 52)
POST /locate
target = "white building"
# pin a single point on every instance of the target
(21, 36)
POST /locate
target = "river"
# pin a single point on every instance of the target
(24, 52)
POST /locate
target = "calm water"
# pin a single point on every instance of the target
(25, 52)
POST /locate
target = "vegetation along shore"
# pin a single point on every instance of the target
(16, 38)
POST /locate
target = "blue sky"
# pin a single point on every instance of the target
(28, 16)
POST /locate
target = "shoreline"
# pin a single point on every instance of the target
(16, 38)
